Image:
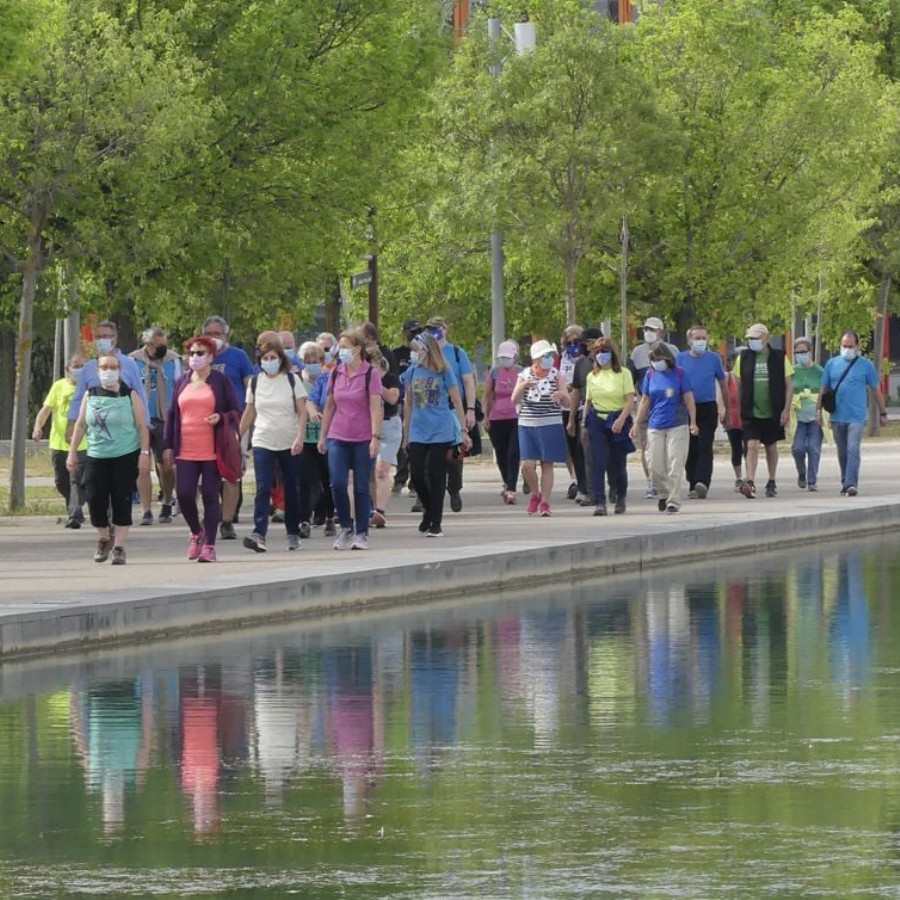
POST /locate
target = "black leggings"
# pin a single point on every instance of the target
(428, 468)
(315, 483)
(505, 440)
(188, 473)
(738, 446)
(576, 453)
(109, 484)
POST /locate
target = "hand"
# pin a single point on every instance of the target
(168, 458)
(470, 418)
(570, 428)
(617, 426)
(321, 446)
(634, 432)
(213, 419)
(723, 418)
(37, 434)
(785, 417)
(467, 440)
(694, 430)
(144, 462)
(297, 446)
(583, 437)
(486, 423)
(374, 444)
(72, 461)
(314, 415)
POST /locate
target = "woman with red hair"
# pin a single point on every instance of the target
(203, 398)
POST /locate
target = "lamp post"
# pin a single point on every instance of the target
(523, 39)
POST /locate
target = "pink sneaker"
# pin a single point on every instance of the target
(207, 553)
(534, 501)
(545, 510)
(194, 546)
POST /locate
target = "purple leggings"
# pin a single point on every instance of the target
(188, 474)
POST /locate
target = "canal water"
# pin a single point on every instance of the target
(730, 731)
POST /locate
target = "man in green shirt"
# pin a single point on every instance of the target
(57, 403)
(807, 446)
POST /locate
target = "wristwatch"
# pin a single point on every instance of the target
(145, 452)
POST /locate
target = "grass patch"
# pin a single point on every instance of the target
(39, 501)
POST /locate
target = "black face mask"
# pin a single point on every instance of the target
(160, 352)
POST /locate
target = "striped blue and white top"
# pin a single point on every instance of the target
(538, 406)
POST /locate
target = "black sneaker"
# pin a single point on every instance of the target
(661, 504)
(147, 518)
(165, 514)
(671, 509)
(434, 532)
(424, 526)
(305, 530)
(771, 490)
(620, 506)
(227, 532)
(455, 501)
(73, 523)
(801, 481)
(572, 491)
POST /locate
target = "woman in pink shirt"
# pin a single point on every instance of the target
(351, 423)
(501, 417)
(201, 398)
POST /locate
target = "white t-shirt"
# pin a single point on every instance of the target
(275, 427)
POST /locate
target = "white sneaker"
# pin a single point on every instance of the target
(344, 539)
(360, 542)
(651, 492)
(293, 542)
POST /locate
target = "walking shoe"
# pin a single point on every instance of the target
(256, 543)
(397, 487)
(147, 517)
(651, 493)
(671, 509)
(738, 484)
(424, 525)
(330, 528)
(572, 492)
(293, 542)
(661, 504)
(227, 532)
(434, 531)
(344, 539)
(278, 516)
(360, 542)
(417, 506)
(693, 495)
(118, 556)
(174, 506)
(851, 491)
(620, 506)
(378, 518)
(748, 489)
(813, 487)
(771, 490)
(207, 554)
(581, 499)
(586, 500)
(305, 530)
(318, 520)
(534, 501)
(194, 546)
(843, 490)
(165, 514)
(801, 481)
(600, 509)
(101, 554)
(455, 501)
(611, 494)
(73, 523)
(544, 510)
(701, 490)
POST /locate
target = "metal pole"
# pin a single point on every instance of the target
(498, 311)
(623, 287)
(373, 289)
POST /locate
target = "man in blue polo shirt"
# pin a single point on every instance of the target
(851, 377)
(704, 368)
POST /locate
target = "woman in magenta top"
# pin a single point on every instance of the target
(351, 423)
(201, 398)
(501, 417)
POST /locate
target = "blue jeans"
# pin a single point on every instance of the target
(807, 449)
(608, 452)
(342, 457)
(848, 438)
(264, 462)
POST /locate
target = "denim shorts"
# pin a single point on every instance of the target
(391, 434)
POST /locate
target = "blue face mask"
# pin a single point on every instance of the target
(436, 333)
(314, 369)
(604, 357)
(270, 366)
(103, 345)
(573, 350)
(801, 359)
(505, 362)
(547, 360)
(346, 355)
(329, 357)
(76, 374)
(755, 344)
(660, 365)
(699, 346)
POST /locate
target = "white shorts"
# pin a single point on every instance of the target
(390, 437)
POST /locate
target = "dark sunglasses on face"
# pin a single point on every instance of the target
(197, 353)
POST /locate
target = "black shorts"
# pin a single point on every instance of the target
(766, 431)
(157, 426)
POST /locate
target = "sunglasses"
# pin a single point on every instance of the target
(197, 353)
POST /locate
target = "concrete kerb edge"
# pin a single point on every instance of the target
(56, 630)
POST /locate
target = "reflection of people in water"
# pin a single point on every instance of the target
(200, 748)
(356, 707)
(849, 634)
(112, 727)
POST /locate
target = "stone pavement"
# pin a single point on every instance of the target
(52, 594)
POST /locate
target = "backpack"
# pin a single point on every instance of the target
(292, 381)
(368, 377)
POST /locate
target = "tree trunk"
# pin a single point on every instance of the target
(571, 265)
(33, 263)
(881, 322)
(333, 307)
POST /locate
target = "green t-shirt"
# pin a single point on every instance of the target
(111, 429)
(762, 402)
(59, 399)
(807, 381)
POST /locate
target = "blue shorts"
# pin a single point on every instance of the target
(543, 442)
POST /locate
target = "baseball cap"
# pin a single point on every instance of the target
(539, 348)
(508, 348)
(757, 331)
(412, 325)
(655, 323)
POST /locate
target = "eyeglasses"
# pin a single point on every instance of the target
(197, 353)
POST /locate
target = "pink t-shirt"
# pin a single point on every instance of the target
(197, 439)
(352, 420)
(504, 381)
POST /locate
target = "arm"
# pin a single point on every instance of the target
(574, 404)
(327, 416)
(77, 435)
(788, 397)
(725, 405)
(487, 399)
(692, 411)
(300, 405)
(390, 395)
(619, 424)
(376, 414)
(460, 414)
(140, 421)
(39, 421)
(248, 418)
(519, 389)
(640, 415)
(562, 392)
(469, 388)
(407, 415)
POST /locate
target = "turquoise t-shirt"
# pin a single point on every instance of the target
(111, 429)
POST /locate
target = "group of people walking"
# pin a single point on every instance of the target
(332, 423)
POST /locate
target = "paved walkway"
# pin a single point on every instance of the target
(47, 574)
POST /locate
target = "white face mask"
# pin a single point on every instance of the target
(699, 345)
(848, 352)
(270, 366)
(755, 344)
(108, 377)
(660, 365)
(413, 357)
(650, 336)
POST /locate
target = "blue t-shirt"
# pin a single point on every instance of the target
(666, 391)
(704, 371)
(459, 362)
(852, 397)
(432, 420)
(236, 366)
